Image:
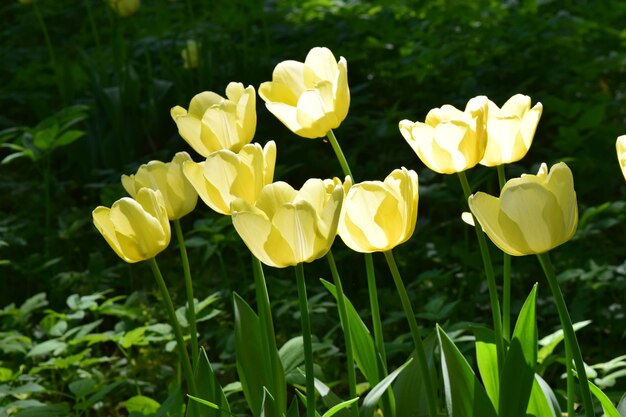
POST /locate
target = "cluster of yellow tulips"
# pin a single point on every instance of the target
(283, 226)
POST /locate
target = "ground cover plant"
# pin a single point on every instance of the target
(408, 314)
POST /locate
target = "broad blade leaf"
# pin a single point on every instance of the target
(369, 404)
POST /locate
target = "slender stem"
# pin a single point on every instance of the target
(388, 399)
(420, 352)
(339, 153)
(306, 339)
(568, 330)
(178, 333)
(191, 305)
(491, 280)
(506, 274)
(345, 324)
(570, 382)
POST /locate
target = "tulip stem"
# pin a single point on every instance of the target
(568, 331)
(345, 324)
(506, 274)
(339, 153)
(420, 352)
(491, 280)
(570, 382)
(306, 340)
(178, 333)
(191, 305)
(388, 400)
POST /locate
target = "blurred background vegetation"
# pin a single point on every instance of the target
(85, 97)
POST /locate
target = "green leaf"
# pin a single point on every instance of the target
(83, 405)
(408, 388)
(370, 401)
(293, 409)
(81, 387)
(268, 408)
(339, 407)
(54, 410)
(621, 406)
(518, 371)
(551, 341)
(134, 337)
(542, 402)
(173, 404)
(209, 389)
(464, 394)
(607, 406)
(362, 342)
(203, 402)
(67, 137)
(254, 359)
(141, 404)
(52, 346)
(487, 360)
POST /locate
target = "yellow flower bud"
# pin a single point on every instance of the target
(449, 140)
(226, 175)
(179, 195)
(190, 54)
(510, 130)
(310, 98)
(286, 227)
(379, 215)
(213, 123)
(125, 8)
(136, 229)
(534, 213)
(621, 153)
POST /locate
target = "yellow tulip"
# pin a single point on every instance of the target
(534, 213)
(226, 175)
(621, 153)
(379, 215)
(125, 8)
(213, 122)
(286, 227)
(179, 195)
(136, 229)
(190, 54)
(310, 98)
(510, 130)
(450, 140)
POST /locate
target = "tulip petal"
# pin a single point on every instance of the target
(275, 92)
(517, 105)
(561, 183)
(620, 146)
(320, 65)
(201, 102)
(212, 197)
(297, 223)
(103, 223)
(254, 228)
(234, 91)
(219, 127)
(342, 91)
(273, 196)
(190, 129)
(288, 115)
(290, 74)
(269, 158)
(362, 205)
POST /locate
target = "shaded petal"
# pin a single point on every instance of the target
(320, 65)
(273, 196)
(277, 93)
(254, 228)
(342, 91)
(201, 102)
(561, 183)
(290, 74)
(297, 224)
(212, 197)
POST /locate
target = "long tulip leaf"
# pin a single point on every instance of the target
(209, 389)
(607, 406)
(540, 402)
(372, 398)
(487, 360)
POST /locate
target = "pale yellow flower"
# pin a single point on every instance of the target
(125, 8)
(379, 215)
(179, 195)
(190, 54)
(510, 130)
(213, 123)
(310, 98)
(136, 229)
(286, 227)
(621, 153)
(225, 176)
(449, 140)
(535, 213)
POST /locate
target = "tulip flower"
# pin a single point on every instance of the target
(179, 195)
(226, 176)
(535, 213)
(286, 227)
(621, 152)
(125, 8)
(379, 215)
(190, 54)
(450, 140)
(136, 229)
(510, 130)
(213, 123)
(310, 98)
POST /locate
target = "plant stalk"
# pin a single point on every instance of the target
(191, 305)
(491, 280)
(568, 331)
(506, 274)
(420, 352)
(306, 340)
(339, 153)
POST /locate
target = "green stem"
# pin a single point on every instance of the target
(570, 382)
(420, 352)
(306, 340)
(191, 305)
(342, 159)
(178, 333)
(345, 324)
(506, 274)
(568, 330)
(491, 280)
